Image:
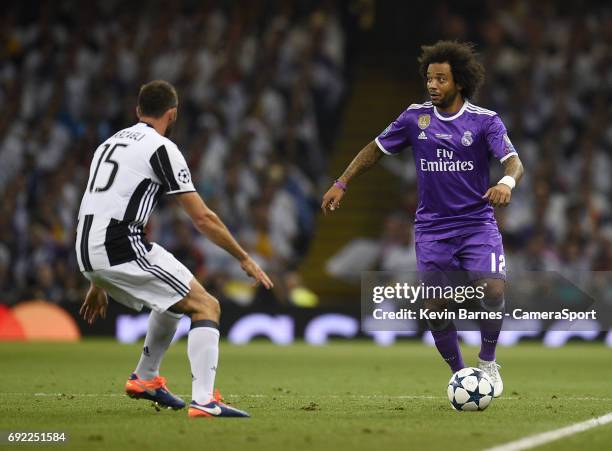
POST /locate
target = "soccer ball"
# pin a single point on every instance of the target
(470, 389)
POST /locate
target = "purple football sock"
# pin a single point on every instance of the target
(488, 343)
(447, 343)
(489, 332)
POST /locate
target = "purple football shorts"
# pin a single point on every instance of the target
(475, 256)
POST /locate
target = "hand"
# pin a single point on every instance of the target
(249, 266)
(95, 304)
(498, 195)
(331, 199)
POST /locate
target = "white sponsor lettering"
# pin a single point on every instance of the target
(443, 153)
(446, 166)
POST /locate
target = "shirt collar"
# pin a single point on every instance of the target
(454, 116)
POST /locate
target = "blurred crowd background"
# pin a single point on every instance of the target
(550, 79)
(263, 88)
(260, 93)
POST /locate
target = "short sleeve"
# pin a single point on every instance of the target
(396, 136)
(171, 169)
(498, 142)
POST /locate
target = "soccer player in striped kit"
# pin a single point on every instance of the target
(129, 172)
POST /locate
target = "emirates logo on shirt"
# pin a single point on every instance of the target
(445, 162)
(446, 165)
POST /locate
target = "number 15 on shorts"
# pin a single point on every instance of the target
(498, 262)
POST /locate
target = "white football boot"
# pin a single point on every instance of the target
(492, 370)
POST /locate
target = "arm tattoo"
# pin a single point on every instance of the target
(514, 168)
(365, 159)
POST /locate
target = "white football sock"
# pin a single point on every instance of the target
(203, 352)
(160, 332)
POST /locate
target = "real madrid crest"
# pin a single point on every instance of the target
(467, 139)
(424, 120)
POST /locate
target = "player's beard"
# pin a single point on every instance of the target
(170, 129)
(447, 100)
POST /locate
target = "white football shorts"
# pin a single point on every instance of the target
(157, 280)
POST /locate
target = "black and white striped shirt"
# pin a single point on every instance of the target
(128, 174)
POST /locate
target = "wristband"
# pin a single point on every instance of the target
(508, 181)
(340, 185)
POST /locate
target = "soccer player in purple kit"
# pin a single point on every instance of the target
(452, 143)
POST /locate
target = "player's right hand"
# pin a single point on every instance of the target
(95, 304)
(498, 195)
(250, 267)
(331, 199)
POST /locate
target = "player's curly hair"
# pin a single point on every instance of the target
(467, 71)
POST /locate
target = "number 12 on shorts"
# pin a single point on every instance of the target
(498, 263)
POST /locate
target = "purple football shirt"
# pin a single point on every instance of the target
(452, 154)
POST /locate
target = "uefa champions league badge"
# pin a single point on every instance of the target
(183, 176)
(467, 138)
(423, 121)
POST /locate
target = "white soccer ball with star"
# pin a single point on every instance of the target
(470, 389)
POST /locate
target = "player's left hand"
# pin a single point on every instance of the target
(498, 195)
(331, 199)
(95, 305)
(249, 266)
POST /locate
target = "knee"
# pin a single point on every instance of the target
(493, 294)
(215, 307)
(209, 306)
(436, 306)
(494, 291)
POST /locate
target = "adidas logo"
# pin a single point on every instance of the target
(422, 135)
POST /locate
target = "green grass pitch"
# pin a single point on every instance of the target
(348, 395)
